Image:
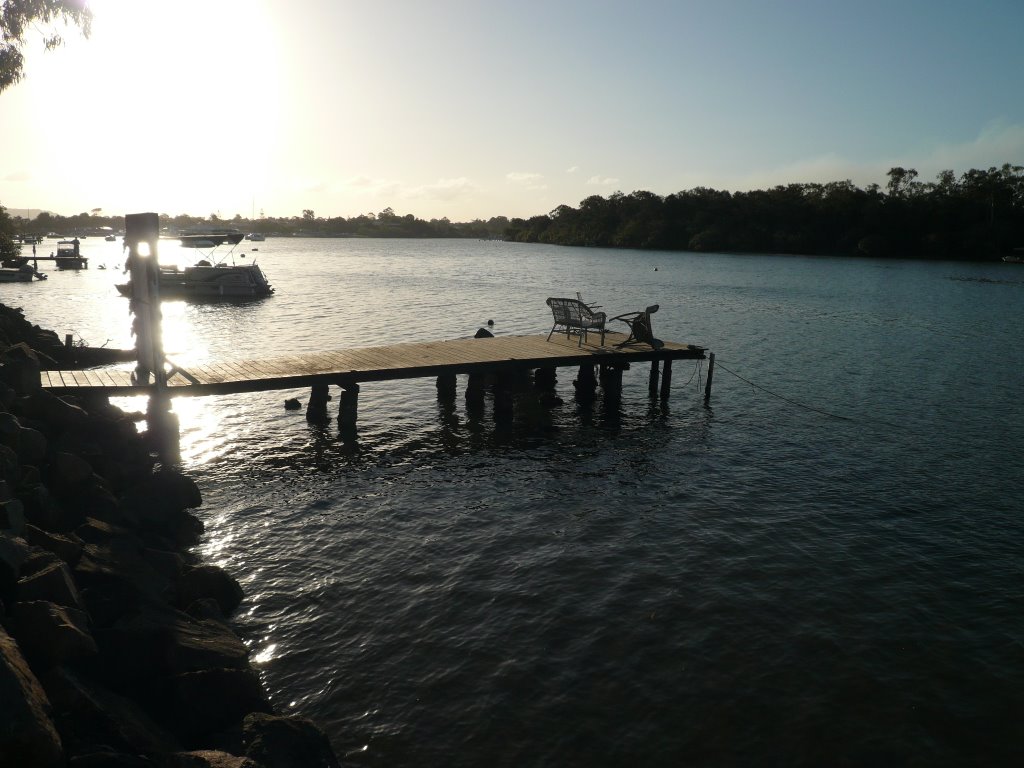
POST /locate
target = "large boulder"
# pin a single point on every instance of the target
(20, 367)
(90, 716)
(159, 505)
(286, 742)
(209, 581)
(156, 642)
(44, 511)
(13, 554)
(55, 412)
(207, 758)
(70, 471)
(68, 547)
(204, 703)
(12, 517)
(28, 738)
(116, 560)
(50, 634)
(53, 583)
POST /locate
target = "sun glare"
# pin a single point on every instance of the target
(169, 98)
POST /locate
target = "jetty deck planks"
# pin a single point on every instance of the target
(382, 363)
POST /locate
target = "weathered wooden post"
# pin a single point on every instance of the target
(711, 373)
(446, 387)
(586, 383)
(545, 379)
(348, 406)
(666, 379)
(611, 380)
(316, 408)
(504, 401)
(141, 235)
(652, 380)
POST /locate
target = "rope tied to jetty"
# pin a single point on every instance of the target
(829, 414)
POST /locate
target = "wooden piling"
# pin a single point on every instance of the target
(652, 380)
(316, 408)
(504, 402)
(666, 379)
(711, 373)
(586, 382)
(447, 386)
(476, 387)
(144, 229)
(611, 381)
(545, 379)
(348, 407)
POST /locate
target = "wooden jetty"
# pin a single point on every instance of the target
(349, 368)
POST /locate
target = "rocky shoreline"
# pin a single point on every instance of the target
(115, 647)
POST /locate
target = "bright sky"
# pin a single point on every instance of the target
(471, 109)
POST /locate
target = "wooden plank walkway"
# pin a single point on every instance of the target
(365, 364)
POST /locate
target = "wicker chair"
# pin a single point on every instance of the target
(640, 329)
(575, 316)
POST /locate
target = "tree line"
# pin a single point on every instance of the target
(384, 224)
(976, 216)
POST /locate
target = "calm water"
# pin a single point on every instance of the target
(750, 583)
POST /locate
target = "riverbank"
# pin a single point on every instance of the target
(115, 642)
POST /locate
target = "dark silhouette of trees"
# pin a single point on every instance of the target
(978, 216)
(17, 17)
(8, 247)
(387, 223)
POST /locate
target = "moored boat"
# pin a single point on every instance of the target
(209, 279)
(68, 256)
(210, 238)
(22, 274)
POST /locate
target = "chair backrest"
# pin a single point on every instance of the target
(570, 310)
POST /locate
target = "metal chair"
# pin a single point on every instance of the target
(640, 329)
(574, 316)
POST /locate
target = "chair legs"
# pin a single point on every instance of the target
(581, 332)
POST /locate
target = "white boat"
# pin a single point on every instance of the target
(255, 237)
(209, 238)
(210, 280)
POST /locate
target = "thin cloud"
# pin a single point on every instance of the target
(18, 176)
(532, 181)
(573, 169)
(602, 181)
(444, 189)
